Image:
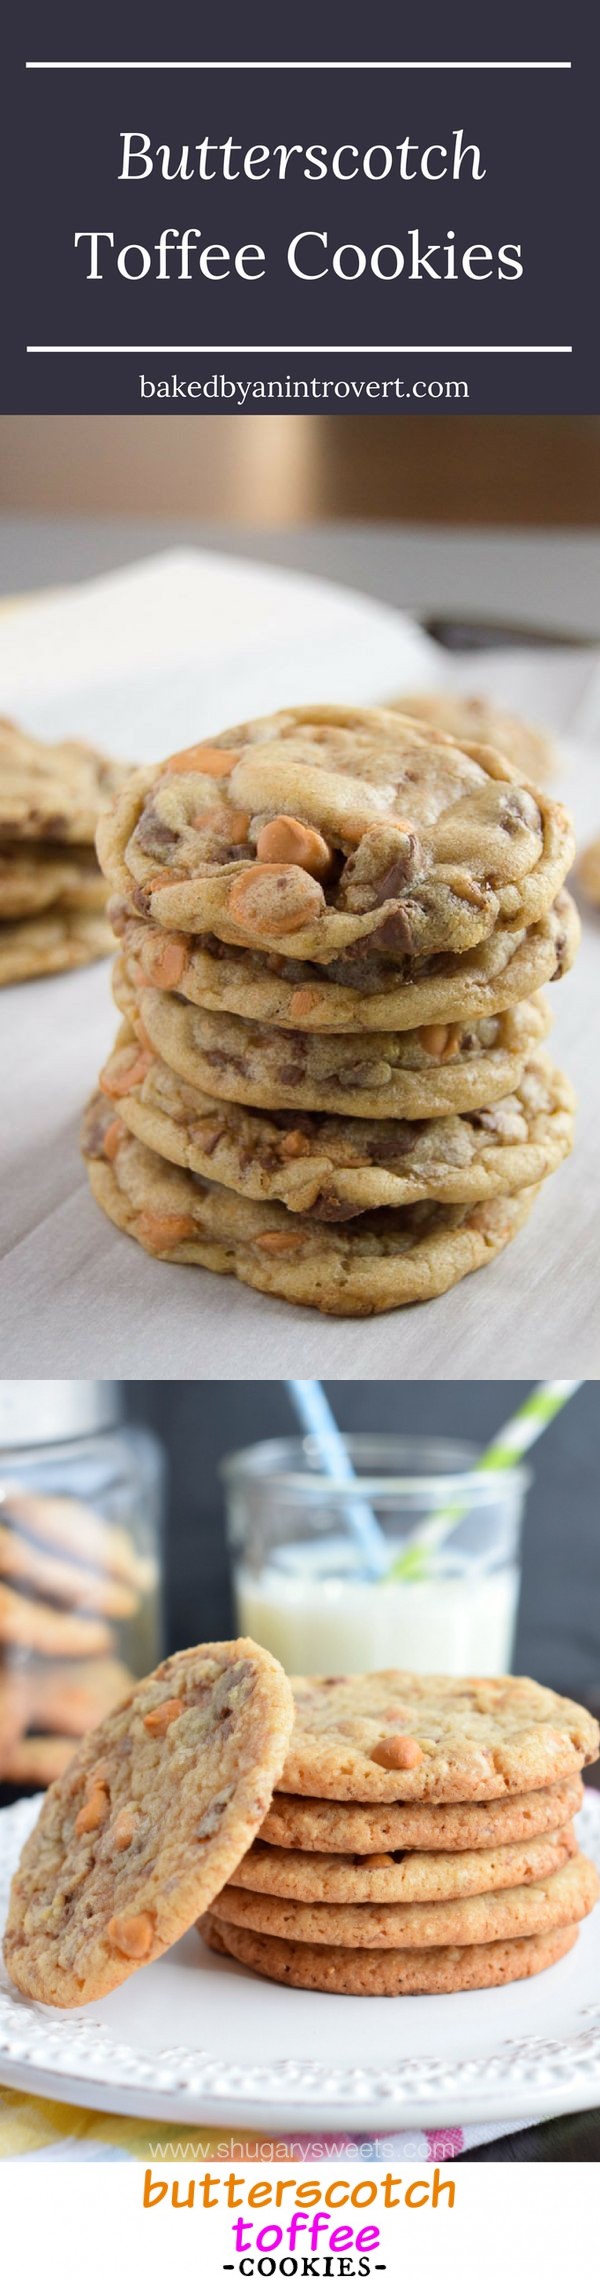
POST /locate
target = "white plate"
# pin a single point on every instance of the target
(193, 2038)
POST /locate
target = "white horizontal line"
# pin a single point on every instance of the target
(302, 65)
(254, 348)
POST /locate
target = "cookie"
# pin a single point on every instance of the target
(34, 878)
(13, 1711)
(588, 871)
(432, 1071)
(360, 991)
(46, 1631)
(37, 1759)
(321, 827)
(564, 1897)
(154, 1811)
(66, 1524)
(313, 1824)
(463, 715)
(393, 1735)
(67, 1698)
(336, 1167)
(356, 1971)
(52, 791)
(40, 1572)
(386, 1259)
(53, 944)
(392, 1876)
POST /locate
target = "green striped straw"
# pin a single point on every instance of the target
(510, 1444)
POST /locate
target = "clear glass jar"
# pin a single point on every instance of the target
(81, 1498)
(447, 1597)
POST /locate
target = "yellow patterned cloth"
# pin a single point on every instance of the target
(41, 2125)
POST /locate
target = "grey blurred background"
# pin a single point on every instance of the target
(558, 1639)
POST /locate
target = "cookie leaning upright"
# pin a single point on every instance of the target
(152, 1816)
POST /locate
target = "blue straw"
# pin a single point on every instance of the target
(316, 1418)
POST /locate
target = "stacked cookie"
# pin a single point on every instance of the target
(331, 1079)
(459, 714)
(469, 1785)
(52, 894)
(71, 1587)
(420, 1840)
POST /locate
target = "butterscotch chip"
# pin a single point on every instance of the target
(93, 1812)
(399, 1751)
(168, 962)
(316, 1825)
(564, 1897)
(479, 1738)
(88, 1905)
(285, 841)
(274, 898)
(131, 1935)
(417, 1876)
(158, 1721)
(395, 1971)
(124, 1828)
(201, 759)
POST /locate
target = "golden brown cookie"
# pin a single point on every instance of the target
(394, 1735)
(355, 1971)
(46, 1630)
(564, 1897)
(397, 1876)
(156, 1807)
(52, 791)
(588, 871)
(324, 826)
(433, 1071)
(35, 877)
(66, 1524)
(461, 715)
(316, 1824)
(38, 1759)
(53, 944)
(55, 1578)
(68, 1697)
(363, 990)
(382, 1260)
(334, 1166)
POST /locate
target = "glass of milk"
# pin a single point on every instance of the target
(300, 1583)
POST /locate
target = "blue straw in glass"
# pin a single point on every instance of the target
(316, 1417)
